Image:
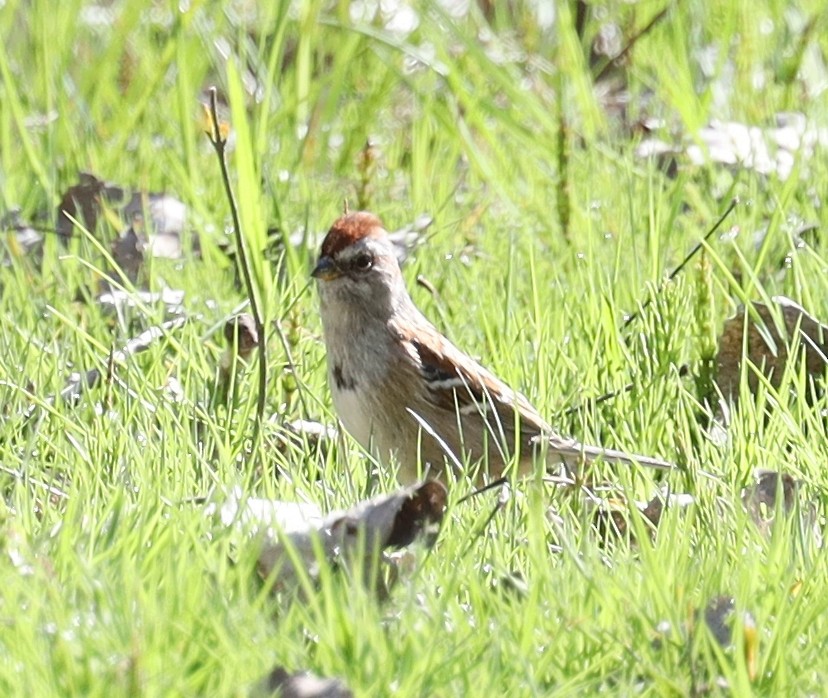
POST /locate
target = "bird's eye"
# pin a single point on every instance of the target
(363, 262)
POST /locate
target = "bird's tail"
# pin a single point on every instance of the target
(572, 454)
(593, 453)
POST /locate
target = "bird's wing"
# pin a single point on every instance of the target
(456, 383)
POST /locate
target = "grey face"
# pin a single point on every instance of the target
(362, 273)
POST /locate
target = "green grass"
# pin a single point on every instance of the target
(124, 587)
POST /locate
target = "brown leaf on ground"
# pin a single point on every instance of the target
(721, 620)
(760, 500)
(156, 221)
(355, 536)
(611, 522)
(719, 616)
(128, 252)
(295, 534)
(774, 492)
(612, 516)
(419, 515)
(301, 684)
(268, 517)
(242, 338)
(163, 220)
(775, 335)
(82, 203)
(240, 333)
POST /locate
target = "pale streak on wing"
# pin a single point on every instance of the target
(442, 364)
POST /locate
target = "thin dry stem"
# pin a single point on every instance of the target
(219, 144)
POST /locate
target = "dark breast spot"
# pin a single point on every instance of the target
(341, 381)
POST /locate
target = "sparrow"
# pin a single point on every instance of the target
(406, 393)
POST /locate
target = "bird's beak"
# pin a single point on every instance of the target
(326, 269)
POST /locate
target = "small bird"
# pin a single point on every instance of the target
(403, 390)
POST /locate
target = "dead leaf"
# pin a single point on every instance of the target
(128, 252)
(612, 516)
(771, 333)
(418, 514)
(305, 436)
(82, 203)
(611, 522)
(156, 221)
(774, 150)
(777, 491)
(394, 520)
(719, 618)
(242, 338)
(240, 332)
(21, 239)
(116, 300)
(270, 517)
(301, 684)
(314, 432)
(167, 218)
(760, 500)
